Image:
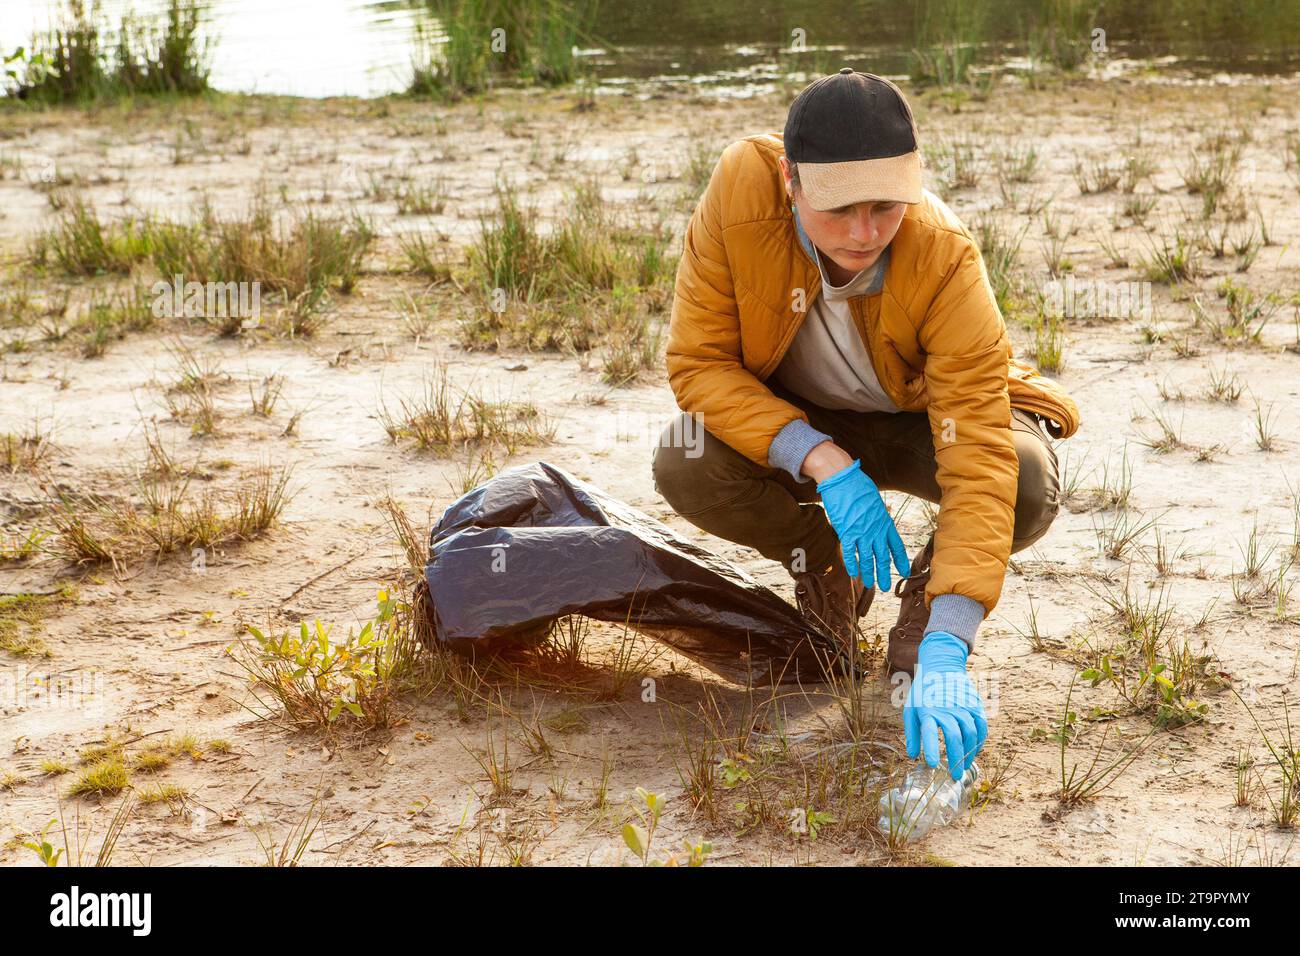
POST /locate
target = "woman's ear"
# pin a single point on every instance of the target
(785, 178)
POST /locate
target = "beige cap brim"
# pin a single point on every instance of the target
(890, 179)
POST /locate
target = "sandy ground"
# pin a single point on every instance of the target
(150, 641)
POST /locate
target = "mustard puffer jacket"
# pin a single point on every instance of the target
(937, 341)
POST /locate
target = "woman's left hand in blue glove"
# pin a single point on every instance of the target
(942, 696)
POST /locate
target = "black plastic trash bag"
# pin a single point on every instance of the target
(535, 543)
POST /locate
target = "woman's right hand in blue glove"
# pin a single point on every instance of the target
(867, 534)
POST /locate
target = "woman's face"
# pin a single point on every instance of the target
(853, 236)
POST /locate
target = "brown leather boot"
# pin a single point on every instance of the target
(832, 602)
(905, 636)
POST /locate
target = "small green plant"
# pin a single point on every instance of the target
(1151, 669)
(811, 821)
(24, 70)
(639, 838)
(317, 680)
(1245, 314)
(41, 846)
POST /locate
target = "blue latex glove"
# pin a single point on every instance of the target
(942, 696)
(866, 532)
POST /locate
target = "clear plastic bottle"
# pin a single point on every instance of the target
(927, 796)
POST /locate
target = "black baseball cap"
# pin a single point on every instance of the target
(854, 138)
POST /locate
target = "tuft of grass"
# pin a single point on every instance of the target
(80, 245)
(1139, 207)
(1170, 437)
(1096, 176)
(1118, 535)
(110, 318)
(1173, 259)
(1154, 670)
(165, 516)
(1286, 755)
(1079, 785)
(423, 256)
(1049, 342)
(168, 793)
(1116, 488)
(1116, 257)
(1246, 246)
(1016, 164)
(1000, 249)
(510, 254)
(947, 36)
(1244, 794)
(301, 255)
(1265, 437)
(105, 776)
(958, 162)
(93, 59)
(541, 36)
(443, 419)
(1246, 314)
(24, 451)
(1137, 167)
(22, 618)
(289, 852)
(421, 199)
(1224, 387)
(266, 396)
(152, 760)
(1210, 169)
(701, 158)
(594, 282)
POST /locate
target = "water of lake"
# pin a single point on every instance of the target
(365, 47)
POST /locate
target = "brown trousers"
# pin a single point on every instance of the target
(720, 491)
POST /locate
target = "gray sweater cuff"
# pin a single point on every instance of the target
(791, 446)
(956, 614)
